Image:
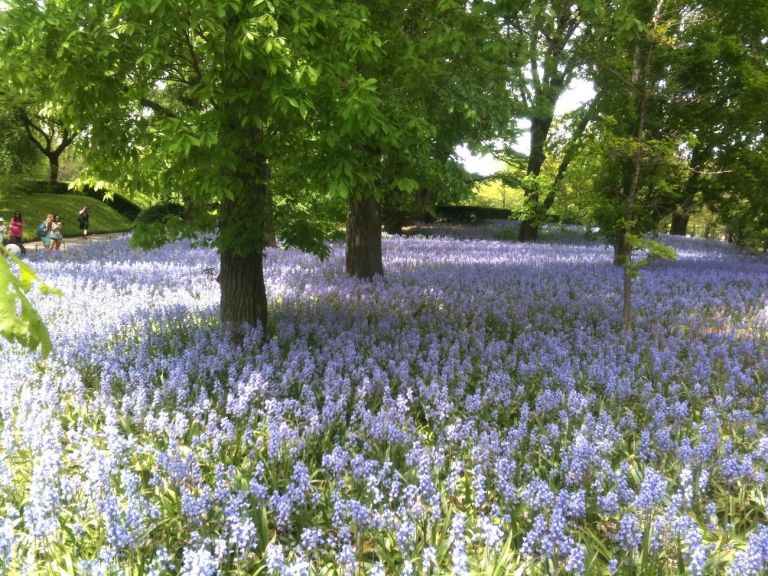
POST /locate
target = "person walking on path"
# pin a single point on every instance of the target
(55, 234)
(2, 231)
(44, 231)
(16, 231)
(83, 218)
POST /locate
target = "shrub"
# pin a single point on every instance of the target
(42, 187)
(470, 213)
(159, 212)
(117, 202)
(158, 225)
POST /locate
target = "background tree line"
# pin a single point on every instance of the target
(281, 119)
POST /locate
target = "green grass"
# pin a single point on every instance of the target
(34, 208)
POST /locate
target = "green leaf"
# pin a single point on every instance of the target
(19, 321)
(405, 184)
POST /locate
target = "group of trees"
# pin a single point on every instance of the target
(265, 115)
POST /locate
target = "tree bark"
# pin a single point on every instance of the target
(626, 313)
(621, 250)
(548, 54)
(680, 216)
(243, 293)
(679, 224)
(53, 168)
(528, 231)
(363, 247)
(244, 220)
(568, 155)
(529, 228)
(641, 73)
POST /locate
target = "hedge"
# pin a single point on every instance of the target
(117, 202)
(470, 213)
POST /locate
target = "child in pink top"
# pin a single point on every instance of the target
(16, 231)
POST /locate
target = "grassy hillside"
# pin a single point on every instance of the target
(34, 207)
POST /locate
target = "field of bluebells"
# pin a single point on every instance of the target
(476, 411)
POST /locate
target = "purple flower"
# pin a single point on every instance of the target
(652, 491)
(753, 559)
(630, 534)
(198, 562)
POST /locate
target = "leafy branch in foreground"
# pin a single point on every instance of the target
(19, 321)
(652, 249)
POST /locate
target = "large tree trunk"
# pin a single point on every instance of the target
(679, 224)
(53, 168)
(528, 231)
(529, 227)
(699, 157)
(243, 294)
(363, 254)
(244, 221)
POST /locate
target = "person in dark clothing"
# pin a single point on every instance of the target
(84, 219)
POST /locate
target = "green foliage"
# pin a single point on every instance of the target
(551, 43)
(495, 192)
(651, 250)
(17, 153)
(159, 212)
(160, 224)
(439, 82)
(707, 90)
(180, 111)
(19, 321)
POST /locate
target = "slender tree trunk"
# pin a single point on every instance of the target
(363, 248)
(626, 313)
(679, 224)
(621, 250)
(641, 72)
(44, 135)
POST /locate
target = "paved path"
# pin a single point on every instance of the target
(73, 241)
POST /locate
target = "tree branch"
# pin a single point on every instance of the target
(158, 108)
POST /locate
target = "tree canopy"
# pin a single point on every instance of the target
(275, 118)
